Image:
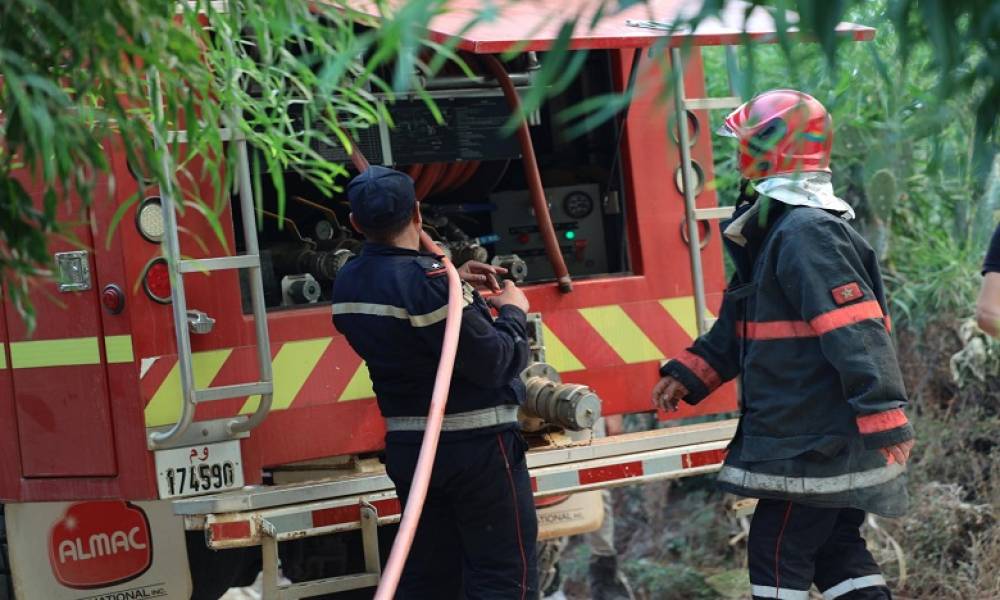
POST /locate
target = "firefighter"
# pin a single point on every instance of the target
(476, 535)
(988, 306)
(822, 437)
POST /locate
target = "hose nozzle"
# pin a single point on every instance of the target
(569, 405)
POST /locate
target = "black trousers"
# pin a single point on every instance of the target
(476, 536)
(793, 546)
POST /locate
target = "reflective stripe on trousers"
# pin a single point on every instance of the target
(855, 583)
(769, 591)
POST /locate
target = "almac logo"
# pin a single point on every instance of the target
(98, 544)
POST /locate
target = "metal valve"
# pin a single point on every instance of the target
(463, 252)
(299, 289)
(324, 265)
(568, 405)
(517, 269)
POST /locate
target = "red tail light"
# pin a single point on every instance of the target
(156, 280)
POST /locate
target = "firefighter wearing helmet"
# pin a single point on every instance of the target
(822, 437)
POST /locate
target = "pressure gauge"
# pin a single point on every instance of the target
(578, 205)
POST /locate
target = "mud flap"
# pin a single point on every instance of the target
(97, 549)
(579, 513)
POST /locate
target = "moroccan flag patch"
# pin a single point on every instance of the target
(846, 294)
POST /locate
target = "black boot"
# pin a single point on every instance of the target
(606, 581)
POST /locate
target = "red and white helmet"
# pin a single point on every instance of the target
(781, 131)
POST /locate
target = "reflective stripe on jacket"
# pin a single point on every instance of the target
(391, 304)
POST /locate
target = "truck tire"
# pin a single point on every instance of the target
(6, 581)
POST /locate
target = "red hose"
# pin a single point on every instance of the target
(418, 181)
(451, 175)
(470, 169)
(533, 176)
(428, 448)
(414, 171)
(358, 159)
(428, 177)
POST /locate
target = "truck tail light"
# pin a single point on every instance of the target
(113, 299)
(156, 280)
(149, 219)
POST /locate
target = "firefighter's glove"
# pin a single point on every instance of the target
(668, 392)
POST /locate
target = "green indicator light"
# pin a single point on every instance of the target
(570, 235)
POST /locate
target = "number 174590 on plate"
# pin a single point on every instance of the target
(199, 469)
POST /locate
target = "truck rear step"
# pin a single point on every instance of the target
(268, 515)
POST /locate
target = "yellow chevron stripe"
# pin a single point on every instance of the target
(118, 348)
(621, 333)
(165, 407)
(682, 311)
(55, 353)
(291, 366)
(360, 386)
(558, 354)
(3, 356)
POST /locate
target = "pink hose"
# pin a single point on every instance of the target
(428, 448)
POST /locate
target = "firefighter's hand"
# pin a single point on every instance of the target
(667, 393)
(481, 275)
(900, 453)
(509, 295)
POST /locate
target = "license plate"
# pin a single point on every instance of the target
(199, 469)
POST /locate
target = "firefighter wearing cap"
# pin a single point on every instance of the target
(476, 536)
(822, 437)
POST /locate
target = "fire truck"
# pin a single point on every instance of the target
(185, 416)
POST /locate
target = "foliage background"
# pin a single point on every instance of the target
(915, 114)
(74, 74)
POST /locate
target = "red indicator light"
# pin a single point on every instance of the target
(524, 238)
(113, 299)
(156, 281)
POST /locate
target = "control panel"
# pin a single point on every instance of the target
(471, 129)
(578, 222)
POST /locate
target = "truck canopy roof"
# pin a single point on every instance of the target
(535, 24)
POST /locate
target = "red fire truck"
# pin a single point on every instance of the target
(184, 402)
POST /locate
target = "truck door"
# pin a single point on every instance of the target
(58, 372)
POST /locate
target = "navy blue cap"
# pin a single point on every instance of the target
(381, 197)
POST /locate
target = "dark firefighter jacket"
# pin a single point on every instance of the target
(805, 322)
(391, 303)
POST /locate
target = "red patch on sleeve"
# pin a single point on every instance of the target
(846, 294)
(437, 272)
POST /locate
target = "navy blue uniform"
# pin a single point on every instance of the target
(476, 537)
